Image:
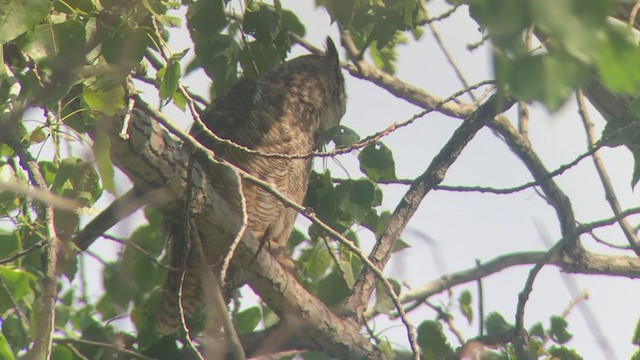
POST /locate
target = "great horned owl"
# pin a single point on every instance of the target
(284, 111)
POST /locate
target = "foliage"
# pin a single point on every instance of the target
(71, 61)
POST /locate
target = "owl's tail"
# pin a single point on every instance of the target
(168, 316)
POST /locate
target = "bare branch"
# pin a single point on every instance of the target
(113, 347)
(610, 193)
(434, 174)
(561, 203)
(521, 339)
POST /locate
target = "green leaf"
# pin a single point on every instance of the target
(18, 16)
(15, 331)
(344, 136)
(634, 107)
(37, 136)
(262, 23)
(119, 285)
(19, 282)
(107, 99)
(618, 51)
(357, 197)
(506, 20)
(5, 350)
(558, 330)
(432, 341)
(331, 289)
(265, 56)
(465, 305)
(63, 314)
(248, 319)
(636, 355)
(290, 21)
(219, 59)
(125, 57)
(376, 161)
(85, 179)
(496, 325)
(49, 170)
(573, 24)
(206, 19)
(384, 304)
(347, 272)
(49, 40)
(341, 10)
(563, 353)
(321, 196)
(180, 101)
(101, 150)
(387, 350)
(537, 330)
(9, 243)
(65, 222)
(74, 6)
(549, 78)
(400, 245)
(60, 352)
(316, 263)
(170, 79)
(636, 334)
(295, 239)
(140, 269)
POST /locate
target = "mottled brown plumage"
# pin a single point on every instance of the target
(284, 111)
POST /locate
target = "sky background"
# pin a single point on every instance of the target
(464, 227)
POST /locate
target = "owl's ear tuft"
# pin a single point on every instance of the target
(332, 53)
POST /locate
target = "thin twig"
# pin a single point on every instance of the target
(584, 295)
(65, 341)
(520, 340)
(24, 252)
(609, 191)
(24, 322)
(124, 132)
(212, 290)
(141, 250)
(634, 14)
(600, 240)
(448, 319)
(446, 53)
(423, 184)
(480, 303)
(75, 351)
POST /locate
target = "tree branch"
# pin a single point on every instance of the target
(434, 174)
(43, 337)
(609, 192)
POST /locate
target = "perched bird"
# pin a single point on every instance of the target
(283, 111)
